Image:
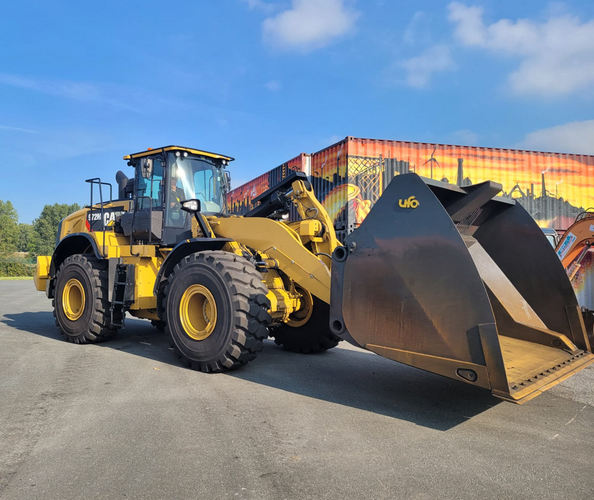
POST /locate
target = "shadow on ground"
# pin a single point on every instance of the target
(354, 378)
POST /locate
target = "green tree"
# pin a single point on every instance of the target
(9, 227)
(25, 239)
(45, 227)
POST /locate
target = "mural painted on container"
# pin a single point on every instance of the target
(554, 188)
(334, 202)
(349, 177)
(239, 200)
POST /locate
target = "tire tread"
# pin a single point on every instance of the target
(250, 307)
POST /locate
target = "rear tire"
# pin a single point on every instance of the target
(216, 311)
(80, 303)
(310, 337)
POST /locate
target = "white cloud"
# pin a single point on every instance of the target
(574, 137)
(51, 144)
(259, 5)
(18, 129)
(418, 30)
(470, 29)
(73, 90)
(333, 139)
(309, 24)
(420, 69)
(465, 136)
(78, 91)
(119, 96)
(556, 56)
(273, 85)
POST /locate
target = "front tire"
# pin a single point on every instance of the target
(216, 311)
(80, 305)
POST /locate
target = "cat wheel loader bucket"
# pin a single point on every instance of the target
(457, 282)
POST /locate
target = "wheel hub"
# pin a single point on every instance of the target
(303, 314)
(198, 312)
(73, 299)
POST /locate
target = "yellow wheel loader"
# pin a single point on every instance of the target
(452, 280)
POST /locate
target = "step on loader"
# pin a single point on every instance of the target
(452, 280)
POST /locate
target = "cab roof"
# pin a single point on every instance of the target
(150, 152)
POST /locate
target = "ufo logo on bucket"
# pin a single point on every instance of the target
(410, 202)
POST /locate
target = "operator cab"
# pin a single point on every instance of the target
(166, 177)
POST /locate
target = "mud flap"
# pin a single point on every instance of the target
(455, 282)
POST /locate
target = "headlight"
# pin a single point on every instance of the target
(191, 205)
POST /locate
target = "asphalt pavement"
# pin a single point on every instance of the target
(125, 420)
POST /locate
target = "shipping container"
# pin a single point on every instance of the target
(240, 199)
(349, 177)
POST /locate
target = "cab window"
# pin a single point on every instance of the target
(150, 191)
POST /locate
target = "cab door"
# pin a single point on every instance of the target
(146, 222)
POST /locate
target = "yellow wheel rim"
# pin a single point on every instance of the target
(302, 315)
(73, 299)
(198, 312)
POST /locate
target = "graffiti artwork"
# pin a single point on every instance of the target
(350, 176)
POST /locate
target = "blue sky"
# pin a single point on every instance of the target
(84, 83)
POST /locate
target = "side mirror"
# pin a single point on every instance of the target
(146, 168)
(227, 180)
